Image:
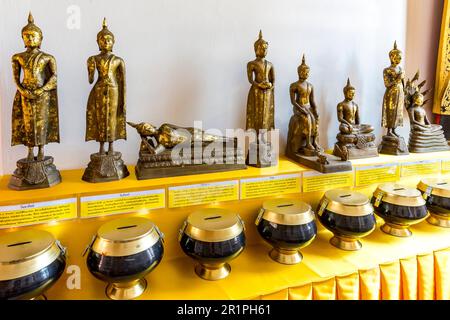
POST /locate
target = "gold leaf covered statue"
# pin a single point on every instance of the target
(303, 135)
(35, 121)
(106, 111)
(355, 140)
(261, 105)
(424, 136)
(393, 105)
(171, 150)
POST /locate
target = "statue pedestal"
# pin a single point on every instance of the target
(355, 146)
(395, 146)
(334, 164)
(105, 167)
(35, 174)
(432, 141)
(261, 155)
(198, 160)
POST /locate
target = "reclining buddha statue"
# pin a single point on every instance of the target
(424, 136)
(171, 150)
(355, 140)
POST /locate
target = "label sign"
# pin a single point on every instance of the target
(126, 202)
(38, 212)
(418, 168)
(315, 181)
(445, 166)
(382, 173)
(270, 186)
(203, 193)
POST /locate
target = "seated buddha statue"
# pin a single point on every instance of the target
(424, 136)
(355, 140)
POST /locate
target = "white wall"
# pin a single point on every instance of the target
(186, 60)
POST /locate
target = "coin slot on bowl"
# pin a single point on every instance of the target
(399, 189)
(345, 196)
(285, 205)
(127, 227)
(213, 218)
(442, 184)
(19, 243)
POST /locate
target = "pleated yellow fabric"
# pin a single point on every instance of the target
(347, 287)
(325, 290)
(369, 284)
(279, 295)
(301, 293)
(442, 274)
(408, 269)
(390, 281)
(425, 273)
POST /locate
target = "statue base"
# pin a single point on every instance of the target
(105, 168)
(261, 155)
(395, 146)
(334, 164)
(355, 146)
(34, 174)
(422, 142)
(162, 165)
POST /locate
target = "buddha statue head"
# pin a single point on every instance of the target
(32, 34)
(105, 38)
(349, 91)
(261, 46)
(418, 99)
(395, 55)
(303, 70)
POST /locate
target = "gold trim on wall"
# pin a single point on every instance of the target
(442, 88)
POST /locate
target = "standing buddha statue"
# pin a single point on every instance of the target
(105, 116)
(393, 105)
(35, 120)
(261, 105)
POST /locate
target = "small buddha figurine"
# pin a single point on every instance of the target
(424, 136)
(303, 135)
(35, 120)
(393, 105)
(106, 111)
(355, 140)
(303, 127)
(261, 103)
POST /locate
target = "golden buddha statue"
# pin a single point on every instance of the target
(424, 136)
(393, 105)
(304, 124)
(261, 103)
(303, 135)
(355, 140)
(35, 121)
(171, 150)
(105, 116)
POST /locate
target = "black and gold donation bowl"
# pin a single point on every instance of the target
(31, 261)
(213, 237)
(436, 192)
(122, 253)
(349, 215)
(400, 207)
(287, 225)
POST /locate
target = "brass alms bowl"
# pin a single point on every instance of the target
(400, 207)
(348, 215)
(436, 192)
(287, 225)
(213, 237)
(122, 253)
(31, 261)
